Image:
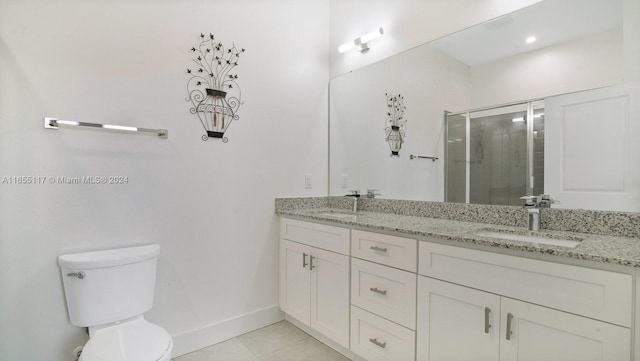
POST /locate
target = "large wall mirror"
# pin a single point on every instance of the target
(578, 79)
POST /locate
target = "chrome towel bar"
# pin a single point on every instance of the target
(53, 123)
(422, 157)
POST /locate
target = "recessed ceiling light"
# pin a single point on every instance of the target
(530, 39)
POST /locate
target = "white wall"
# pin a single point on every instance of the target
(209, 205)
(407, 23)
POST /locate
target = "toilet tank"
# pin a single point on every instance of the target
(108, 286)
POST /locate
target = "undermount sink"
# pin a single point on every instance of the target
(337, 214)
(530, 237)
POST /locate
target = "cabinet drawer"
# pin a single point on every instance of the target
(381, 248)
(385, 291)
(330, 238)
(598, 294)
(377, 339)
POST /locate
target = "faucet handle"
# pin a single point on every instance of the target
(530, 201)
(546, 201)
(371, 193)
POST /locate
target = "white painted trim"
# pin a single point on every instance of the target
(193, 340)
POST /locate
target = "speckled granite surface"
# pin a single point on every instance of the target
(616, 250)
(623, 224)
(300, 203)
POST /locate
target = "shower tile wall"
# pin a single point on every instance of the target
(456, 163)
(498, 160)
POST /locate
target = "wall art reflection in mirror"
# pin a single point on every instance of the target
(395, 127)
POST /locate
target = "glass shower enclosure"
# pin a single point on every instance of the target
(495, 155)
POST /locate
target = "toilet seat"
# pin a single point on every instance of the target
(136, 340)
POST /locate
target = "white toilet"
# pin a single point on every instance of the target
(108, 291)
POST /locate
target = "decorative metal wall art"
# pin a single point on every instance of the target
(212, 87)
(395, 128)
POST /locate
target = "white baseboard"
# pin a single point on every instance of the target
(190, 341)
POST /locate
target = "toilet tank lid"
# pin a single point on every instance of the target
(109, 258)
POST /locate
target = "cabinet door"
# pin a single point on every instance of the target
(541, 334)
(456, 323)
(330, 295)
(295, 280)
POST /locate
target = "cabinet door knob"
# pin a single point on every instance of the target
(509, 331)
(376, 290)
(487, 315)
(378, 343)
(304, 260)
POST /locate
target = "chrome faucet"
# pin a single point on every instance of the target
(533, 205)
(355, 194)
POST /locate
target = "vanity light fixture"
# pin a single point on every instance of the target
(530, 39)
(361, 42)
(517, 120)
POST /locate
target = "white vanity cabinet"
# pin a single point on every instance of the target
(314, 277)
(383, 296)
(509, 308)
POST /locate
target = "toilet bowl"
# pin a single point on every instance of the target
(129, 341)
(108, 292)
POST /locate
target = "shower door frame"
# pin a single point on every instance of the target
(530, 181)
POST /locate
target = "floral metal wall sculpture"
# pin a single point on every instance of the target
(212, 87)
(395, 128)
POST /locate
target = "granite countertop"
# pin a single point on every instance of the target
(592, 247)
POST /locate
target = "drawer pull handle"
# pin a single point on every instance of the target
(487, 315)
(376, 248)
(376, 290)
(311, 267)
(509, 332)
(304, 260)
(378, 343)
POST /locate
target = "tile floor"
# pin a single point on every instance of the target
(281, 341)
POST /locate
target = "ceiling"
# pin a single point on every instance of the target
(550, 21)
